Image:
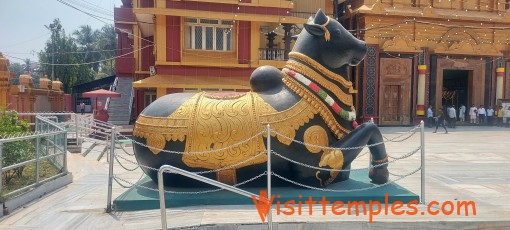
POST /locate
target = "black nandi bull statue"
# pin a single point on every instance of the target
(306, 101)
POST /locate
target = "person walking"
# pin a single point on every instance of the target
(462, 113)
(447, 116)
(440, 120)
(472, 114)
(507, 117)
(481, 115)
(453, 117)
(82, 108)
(490, 115)
(500, 113)
(430, 116)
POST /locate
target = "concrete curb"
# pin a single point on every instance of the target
(38, 192)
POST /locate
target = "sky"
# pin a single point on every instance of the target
(22, 31)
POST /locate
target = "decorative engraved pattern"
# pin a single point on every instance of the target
(286, 122)
(218, 123)
(315, 135)
(313, 75)
(396, 69)
(370, 85)
(157, 141)
(333, 159)
(172, 128)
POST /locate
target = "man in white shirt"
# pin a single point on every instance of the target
(472, 114)
(452, 114)
(481, 115)
(490, 115)
(462, 113)
(430, 116)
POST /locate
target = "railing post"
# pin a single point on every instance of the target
(269, 172)
(55, 144)
(422, 148)
(37, 157)
(370, 155)
(65, 152)
(76, 127)
(107, 153)
(161, 188)
(1, 171)
(110, 174)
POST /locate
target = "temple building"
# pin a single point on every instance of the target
(420, 53)
(204, 45)
(439, 52)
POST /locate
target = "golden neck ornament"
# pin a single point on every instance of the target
(323, 70)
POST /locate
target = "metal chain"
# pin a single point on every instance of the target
(346, 170)
(124, 136)
(231, 166)
(136, 163)
(197, 192)
(121, 165)
(115, 177)
(350, 190)
(122, 147)
(363, 154)
(204, 152)
(200, 172)
(325, 147)
(412, 131)
(400, 157)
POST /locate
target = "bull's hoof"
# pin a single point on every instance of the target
(379, 175)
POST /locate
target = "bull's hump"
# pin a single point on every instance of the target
(166, 105)
(266, 79)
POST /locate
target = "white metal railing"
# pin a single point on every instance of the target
(131, 98)
(48, 145)
(113, 88)
(197, 175)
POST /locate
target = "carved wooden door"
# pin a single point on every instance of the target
(395, 91)
(391, 113)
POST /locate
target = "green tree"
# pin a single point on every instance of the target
(18, 151)
(18, 69)
(66, 52)
(87, 41)
(107, 43)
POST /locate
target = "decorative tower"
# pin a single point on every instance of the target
(4, 81)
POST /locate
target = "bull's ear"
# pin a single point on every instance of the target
(314, 30)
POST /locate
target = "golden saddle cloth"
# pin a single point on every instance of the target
(210, 122)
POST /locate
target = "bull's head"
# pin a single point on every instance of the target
(328, 42)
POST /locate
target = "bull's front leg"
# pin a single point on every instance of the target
(366, 134)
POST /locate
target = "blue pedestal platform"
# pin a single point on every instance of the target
(139, 198)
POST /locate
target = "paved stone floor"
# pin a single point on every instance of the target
(469, 163)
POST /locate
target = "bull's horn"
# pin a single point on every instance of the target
(318, 27)
(320, 18)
